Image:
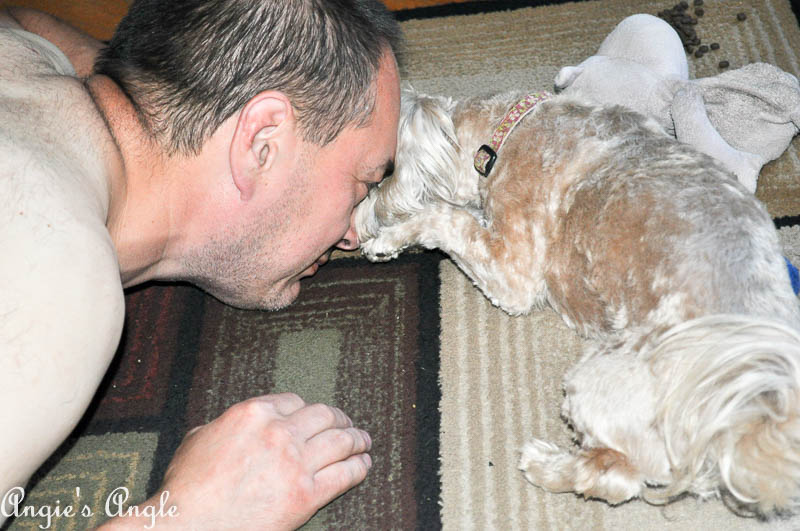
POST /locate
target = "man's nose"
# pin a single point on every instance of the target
(349, 241)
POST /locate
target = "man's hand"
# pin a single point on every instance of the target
(267, 463)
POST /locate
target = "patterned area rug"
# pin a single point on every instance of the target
(362, 337)
(448, 386)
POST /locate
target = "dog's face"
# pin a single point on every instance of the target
(426, 165)
(436, 144)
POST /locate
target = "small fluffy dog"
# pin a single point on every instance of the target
(642, 244)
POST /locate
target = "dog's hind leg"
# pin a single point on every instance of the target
(599, 473)
(610, 403)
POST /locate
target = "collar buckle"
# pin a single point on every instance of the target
(486, 155)
(485, 159)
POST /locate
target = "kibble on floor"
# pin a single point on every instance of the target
(684, 24)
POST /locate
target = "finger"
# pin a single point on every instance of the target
(338, 478)
(316, 418)
(335, 445)
(284, 403)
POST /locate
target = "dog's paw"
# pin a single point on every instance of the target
(538, 452)
(390, 242)
(376, 250)
(540, 460)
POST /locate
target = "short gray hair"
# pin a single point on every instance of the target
(188, 65)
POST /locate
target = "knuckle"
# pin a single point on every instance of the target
(358, 471)
(365, 443)
(252, 408)
(251, 412)
(347, 440)
(362, 469)
(290, 398)
(325, 413)
(235, 412)
(278, 434)
(360, 440)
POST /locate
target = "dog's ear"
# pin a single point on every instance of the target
(427, 146)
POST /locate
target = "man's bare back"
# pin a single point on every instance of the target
(62, 307)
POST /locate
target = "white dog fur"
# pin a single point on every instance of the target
(642, 244)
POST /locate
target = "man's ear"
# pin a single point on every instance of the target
(260, 137)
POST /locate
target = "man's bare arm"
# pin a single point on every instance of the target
(80, 48)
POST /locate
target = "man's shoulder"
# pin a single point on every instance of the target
(53, 140)
(48, 169)
(59, 274)
(60, 281)
(53, 207)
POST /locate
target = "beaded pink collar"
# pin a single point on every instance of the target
(487, 153)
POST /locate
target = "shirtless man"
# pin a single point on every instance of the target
(223, 142)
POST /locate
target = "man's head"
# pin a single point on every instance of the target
(188, 66)
(294, 103)
(295, 198)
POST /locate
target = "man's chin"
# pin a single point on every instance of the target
(276, 299)
(281, 299)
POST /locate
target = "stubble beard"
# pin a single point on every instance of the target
(232, 267)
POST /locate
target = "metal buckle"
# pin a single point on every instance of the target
(487, 167)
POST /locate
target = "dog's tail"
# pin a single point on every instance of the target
(729, 407)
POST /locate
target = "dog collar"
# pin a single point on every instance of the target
(487, 153)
